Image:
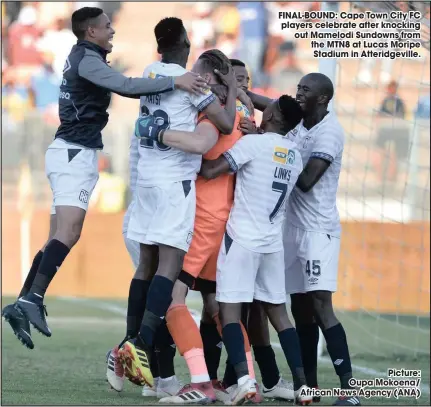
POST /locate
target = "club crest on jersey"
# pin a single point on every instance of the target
(152, 75)
(291, 157)
(242, 110)
(280, 155)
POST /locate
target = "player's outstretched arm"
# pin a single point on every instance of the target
(213, 168)
(311, 174)
(95, 70)
(199, 141)
(224, 118)
(260, 102)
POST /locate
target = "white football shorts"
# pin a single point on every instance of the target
(244, 275)
(72, 172)
(164, 214)
(311, 260)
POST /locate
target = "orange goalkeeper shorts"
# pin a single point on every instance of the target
(200, 262)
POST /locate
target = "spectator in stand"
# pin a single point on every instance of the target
(58, 40)
(227, 21)
(393, 139)
(23, 36)
(4, 35)
(282, 42)
(423, 108)
(392, 104)
(253, 39)
(202, 29)
(45, 87)
(16, 96)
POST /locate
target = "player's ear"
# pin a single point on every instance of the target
(323, 100)
(207, 77)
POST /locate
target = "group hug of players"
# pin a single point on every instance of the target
(243, 214)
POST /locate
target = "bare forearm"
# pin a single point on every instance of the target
(213, 168)
(260, 102)
(225, 120)
(190, 142)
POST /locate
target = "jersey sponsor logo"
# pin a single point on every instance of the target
(153, 75)
(280, 155)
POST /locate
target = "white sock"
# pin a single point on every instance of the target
(243, 380)
(167, 379)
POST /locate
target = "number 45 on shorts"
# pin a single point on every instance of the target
(312, 267)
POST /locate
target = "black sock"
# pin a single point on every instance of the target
(159, 299)
(265, 359)
(229, 378)
(290, 344)
(154, 364)
(336, 343)
(166, 349)
(233, 340)
(308, 335)
(136, 305)
(31, 274)
(212, 347)
(53, 257)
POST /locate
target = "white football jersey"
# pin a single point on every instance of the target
(159, 164)
(316, 210)
(268, 166)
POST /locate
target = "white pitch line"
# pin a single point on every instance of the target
(196, 316)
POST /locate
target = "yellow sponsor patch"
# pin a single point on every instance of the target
(280, 155)
(242, 110)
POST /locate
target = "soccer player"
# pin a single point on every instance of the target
(312, 231)
(71, 160)
(274, 386)
(163, 353)
(162, 217)
(241, 74)
(214, 200)
(250, 265)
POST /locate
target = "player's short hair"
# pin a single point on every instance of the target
(81, 20)
(236, 62)
(168, 32)
(291, 110)
(325, 85)
(215, 59)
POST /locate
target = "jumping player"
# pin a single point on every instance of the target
(162, 217)
(251, 263)
(71, 160)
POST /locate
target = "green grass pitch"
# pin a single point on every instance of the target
(69, 368)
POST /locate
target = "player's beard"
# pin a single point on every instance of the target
(220, 91)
